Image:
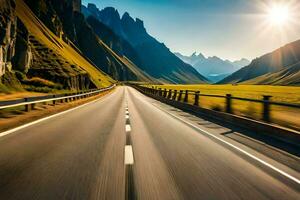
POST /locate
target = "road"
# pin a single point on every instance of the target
(81, 155)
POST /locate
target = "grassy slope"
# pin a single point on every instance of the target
(46, 37)
(288, 76)
(142, 76)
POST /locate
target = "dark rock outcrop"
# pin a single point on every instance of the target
(8, 34)
(21, 53)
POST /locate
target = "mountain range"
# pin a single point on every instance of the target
(213, 68)
(51, 44)
(280, 67)
(154, 57)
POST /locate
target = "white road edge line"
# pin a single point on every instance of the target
(45, 118)
(236, 148)
(128, 157)
(127, 128)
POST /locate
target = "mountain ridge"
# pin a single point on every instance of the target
(213, 67)
(278, 60)
(157, 60)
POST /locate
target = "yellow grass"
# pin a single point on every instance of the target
(288, 117)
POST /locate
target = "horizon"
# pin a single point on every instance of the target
(205, 19)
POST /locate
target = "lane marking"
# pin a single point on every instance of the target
(127, 128)
(128, 158)
(234, 147)
(46, 118)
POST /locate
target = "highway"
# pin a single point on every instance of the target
(86, 153)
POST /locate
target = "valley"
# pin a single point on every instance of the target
(95, 103)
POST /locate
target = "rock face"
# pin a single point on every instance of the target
(23, 57)
(8, 34)
(21, 52)
(15, 50)
(156, 59)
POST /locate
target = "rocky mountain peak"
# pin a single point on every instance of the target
(139, 23)
(110, 12)
(93, 8)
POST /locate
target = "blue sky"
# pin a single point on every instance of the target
(230, 29)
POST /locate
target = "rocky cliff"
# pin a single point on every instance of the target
(8, 35)
(27, 61)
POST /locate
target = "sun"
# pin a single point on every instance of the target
(278, 15)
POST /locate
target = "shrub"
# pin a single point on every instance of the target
(20, 76)
(39, 82)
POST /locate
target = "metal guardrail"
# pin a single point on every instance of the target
(183, 95)
(31, 101)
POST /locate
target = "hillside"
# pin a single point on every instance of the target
(287, 76)
(279, 64)
(53, 58)
(155, 58)
(213, 68)
(33, 58)
(65, 20)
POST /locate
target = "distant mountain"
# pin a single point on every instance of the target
(213, 68)
(280, 65)
(155, 58)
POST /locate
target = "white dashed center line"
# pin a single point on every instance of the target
(127, 128)
(128, 155)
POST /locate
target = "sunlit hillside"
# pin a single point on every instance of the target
(46, 37)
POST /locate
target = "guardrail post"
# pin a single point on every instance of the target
(27, 108)
(228, 103)
(266, 108)
(159, 92)
(165, 93)
(32, 106)
(54, 102)
(186, 97)
(180, 95)
(175, 95)
(197, 94)
(170, 94)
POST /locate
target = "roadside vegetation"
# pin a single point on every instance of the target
(288, 117)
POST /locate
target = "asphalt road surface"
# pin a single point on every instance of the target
(126, 145)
